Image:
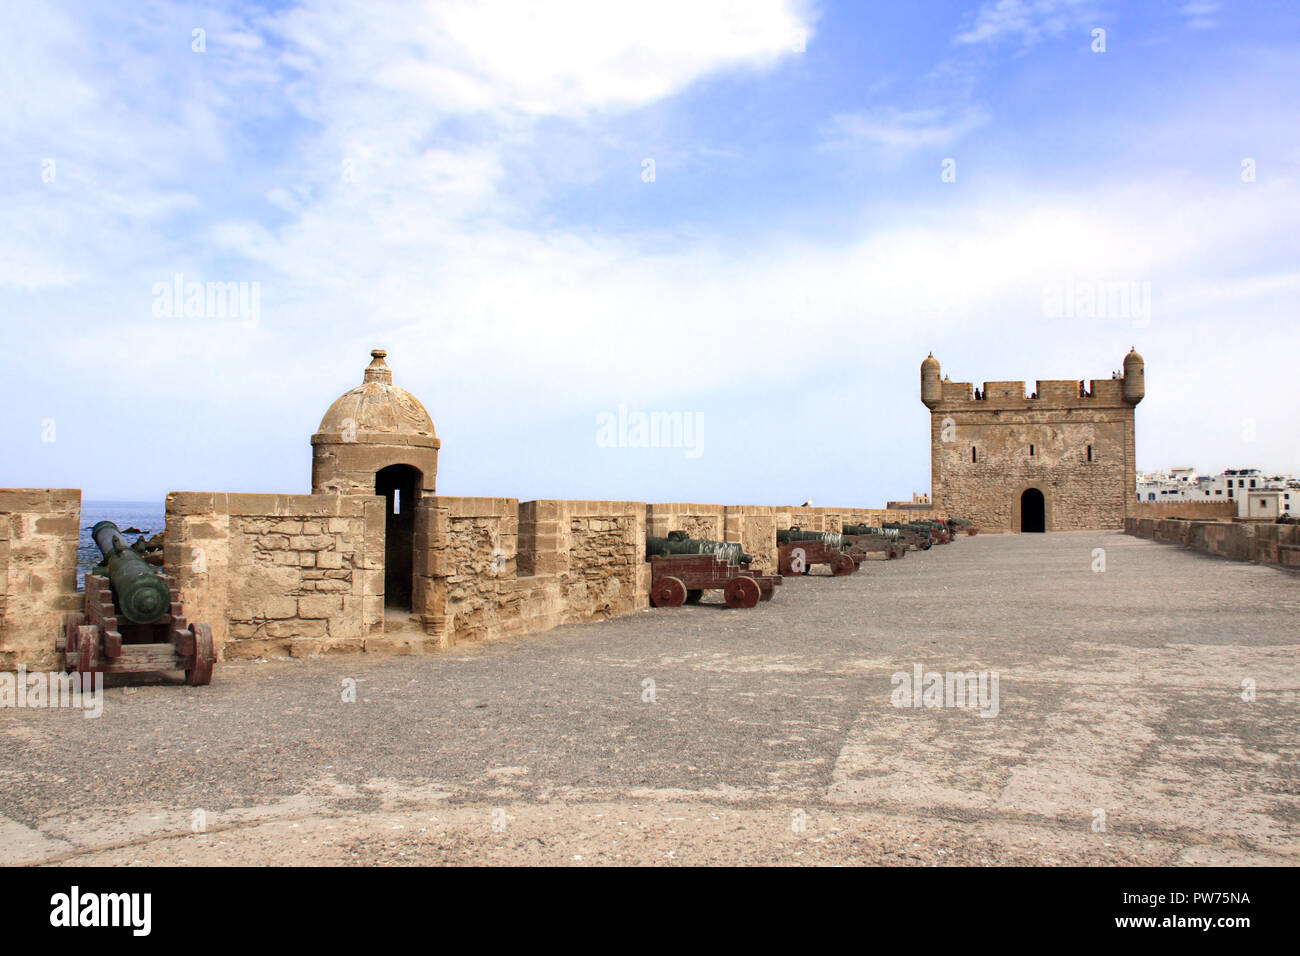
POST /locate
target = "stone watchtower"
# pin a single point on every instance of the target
(372, 427)
(1061, 459)
(377, 439)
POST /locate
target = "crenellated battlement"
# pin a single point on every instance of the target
(1056, 393)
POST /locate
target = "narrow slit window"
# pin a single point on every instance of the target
(1090, 453)
(1031, 451)
(974, 455)
(397, 501)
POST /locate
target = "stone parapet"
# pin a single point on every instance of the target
(1263, 543)
(39, 531)
(279, 575)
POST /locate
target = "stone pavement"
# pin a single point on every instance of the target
(1121, 734)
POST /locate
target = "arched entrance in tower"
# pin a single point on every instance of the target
(400, 487)
(1033, 511)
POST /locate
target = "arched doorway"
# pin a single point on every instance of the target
(1033, 511)
(400, 487)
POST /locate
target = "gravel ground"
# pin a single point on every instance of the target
(1121, 734)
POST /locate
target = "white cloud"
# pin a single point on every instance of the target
(902, 130)
(1212, 296)
(341, 85)
(1201, 14)
(1028, 21)
(545, 59)
(491, 300)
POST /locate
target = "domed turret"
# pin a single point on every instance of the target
(374, 426)
(931, 387)
(1135, 386)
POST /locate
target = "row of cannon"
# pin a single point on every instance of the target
(133, 620)
(683, 568)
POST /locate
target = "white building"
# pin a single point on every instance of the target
(1260, 503)
(1234, 484)
(1179, 484)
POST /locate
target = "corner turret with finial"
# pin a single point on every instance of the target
(931, 386)
(1135, 386)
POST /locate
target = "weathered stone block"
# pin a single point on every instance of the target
(296, 628)
(255, 605)
(206, 531)
(58, 525)
(319, 606)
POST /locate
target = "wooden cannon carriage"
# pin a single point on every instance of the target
(133, 621)
(942, 533)
(939, 532)
(798, 550)
(683, 568)
(912, 536)
(963, 524)
(868, 540)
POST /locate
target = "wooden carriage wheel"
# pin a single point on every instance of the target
(204, 656)
(742, 592)
(668, 592)
(843, 564)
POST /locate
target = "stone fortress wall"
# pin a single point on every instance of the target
(1244, 540)
(504, 567)
(301, 575)
(374, 559)
(39, 528)
(279, 575)
(1188, 510)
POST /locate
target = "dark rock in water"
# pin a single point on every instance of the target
(132, 530)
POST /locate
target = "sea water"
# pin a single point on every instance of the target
(145, 515)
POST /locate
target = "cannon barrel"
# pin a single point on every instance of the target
(831, 539)
(861, 529)
(141, 594)
(678, 543)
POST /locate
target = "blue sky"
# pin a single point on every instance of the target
(464, 185)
